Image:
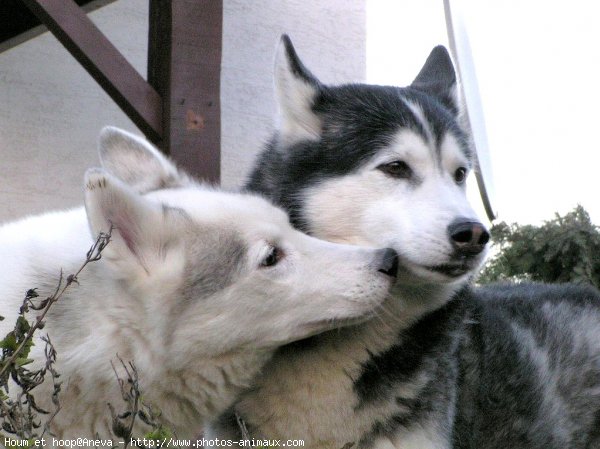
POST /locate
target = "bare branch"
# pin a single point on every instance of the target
(93, 255)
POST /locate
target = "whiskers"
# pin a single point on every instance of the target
(385, 315)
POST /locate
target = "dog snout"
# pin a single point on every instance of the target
(468, 237)
(388, 262)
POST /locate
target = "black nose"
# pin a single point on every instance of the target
(468, 237)
(389, 262)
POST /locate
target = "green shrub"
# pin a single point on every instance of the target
(564, 249)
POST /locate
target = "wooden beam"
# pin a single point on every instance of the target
(103, 62)
(23, 25)
(184, 66)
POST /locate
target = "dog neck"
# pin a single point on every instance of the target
(201, 390)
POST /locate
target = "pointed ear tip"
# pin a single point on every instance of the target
(286, 43)
(94, 172)
(109, 137)
(109, 129)
(95, 177)
(286, 47)
(94, 180)
(113, 138)
(440, 52)
(110, 132)
(443, 52)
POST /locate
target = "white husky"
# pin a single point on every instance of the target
(197, 287)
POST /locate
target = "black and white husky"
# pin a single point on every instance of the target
(444, 365)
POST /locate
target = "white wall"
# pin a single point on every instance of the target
(51, 110)
(330, 38)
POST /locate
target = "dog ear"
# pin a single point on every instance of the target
(296, 89)
(141, 229)
(438, 78)
(137, 162)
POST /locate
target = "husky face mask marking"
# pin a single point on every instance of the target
(358, 156)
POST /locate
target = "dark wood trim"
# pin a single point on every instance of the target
(103, 62)
(184, 66)
(30, 28)
(159, 56)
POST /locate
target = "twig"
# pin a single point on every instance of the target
(92, 255)
(242, 425)
(50, 354)
(131, 396)
(136, 396)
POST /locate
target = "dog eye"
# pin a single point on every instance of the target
(460, 175)
(272, 258)
(397, 169)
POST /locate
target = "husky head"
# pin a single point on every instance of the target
(376, 165)
(220, 271)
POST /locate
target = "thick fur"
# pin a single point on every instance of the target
(444, 365)
(182, 290)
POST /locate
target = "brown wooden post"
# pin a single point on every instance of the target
(184, 66)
